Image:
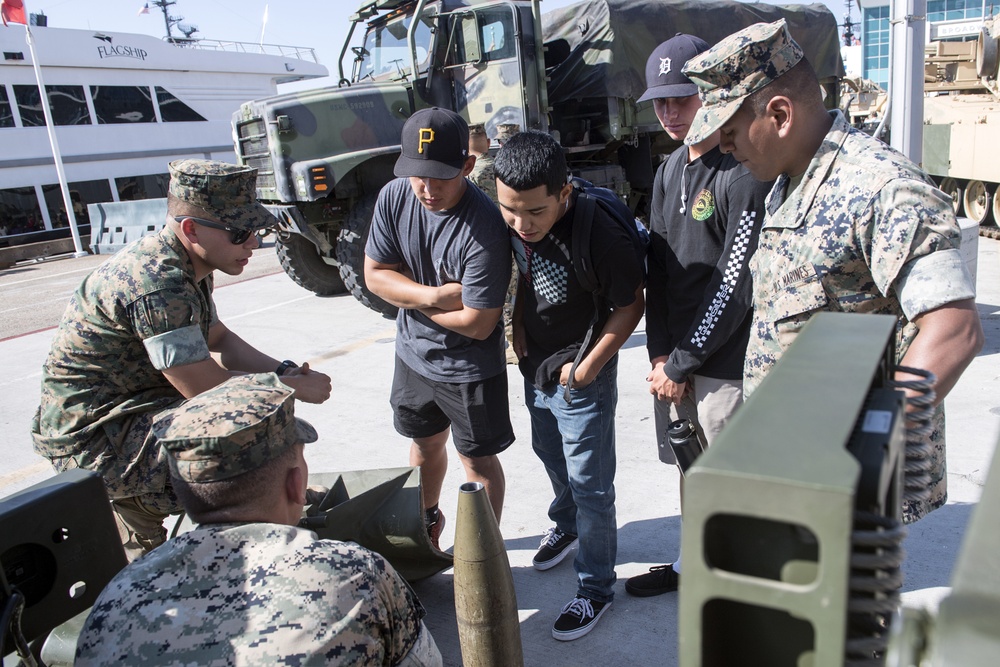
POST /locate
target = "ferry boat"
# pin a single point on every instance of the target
(124, 105)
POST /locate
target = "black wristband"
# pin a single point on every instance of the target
(284, 366)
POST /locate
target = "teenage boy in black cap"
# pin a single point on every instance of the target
(439, 250)
(704, 223)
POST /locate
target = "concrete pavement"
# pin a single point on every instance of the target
(355, 347)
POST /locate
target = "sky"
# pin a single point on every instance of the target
(319, 24)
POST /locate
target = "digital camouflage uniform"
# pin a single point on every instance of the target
(846, 238)
(137, 314)
(483, 176)
(251, 593)
(254, 594)
(102, 382)
(839, 242)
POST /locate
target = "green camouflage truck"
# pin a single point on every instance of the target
(323, 155)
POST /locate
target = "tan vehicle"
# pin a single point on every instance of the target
(962, 122)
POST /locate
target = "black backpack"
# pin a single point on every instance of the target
(589, 196)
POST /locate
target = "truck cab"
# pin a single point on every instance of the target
(323, 155)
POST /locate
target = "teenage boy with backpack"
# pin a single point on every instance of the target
(570, 383)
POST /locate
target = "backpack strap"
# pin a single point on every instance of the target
(583, 225)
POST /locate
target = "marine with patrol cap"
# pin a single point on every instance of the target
(139, 336)
(247, 586)
(851, 226)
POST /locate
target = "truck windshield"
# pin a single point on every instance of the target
(386, 55)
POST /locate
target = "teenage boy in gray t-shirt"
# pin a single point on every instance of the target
(439, 250)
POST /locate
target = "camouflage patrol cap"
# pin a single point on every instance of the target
(226, 192)
(434, 143)
(507, 130)
(231, 429)
(736, 67)
(478, 128)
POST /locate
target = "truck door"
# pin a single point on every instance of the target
(488, 67)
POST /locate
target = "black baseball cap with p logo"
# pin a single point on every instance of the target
(435, 144)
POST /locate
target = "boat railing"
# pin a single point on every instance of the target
(297, 52)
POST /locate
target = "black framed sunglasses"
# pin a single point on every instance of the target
(236, 236)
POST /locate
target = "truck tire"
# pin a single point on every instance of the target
(303, 264)
(351, 255)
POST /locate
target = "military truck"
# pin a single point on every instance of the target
(323, 155)
(962, 122)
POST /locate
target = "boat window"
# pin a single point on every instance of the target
(81, 193)
(142, 187)
(67, 103)
(19, 212)
(172, 110)
(122, 104)
(6, 115)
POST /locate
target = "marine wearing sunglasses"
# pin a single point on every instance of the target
(236, 236)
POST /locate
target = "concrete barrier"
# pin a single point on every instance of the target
(113, 225)
(11, 255)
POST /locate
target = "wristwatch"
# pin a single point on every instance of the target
(284, 366)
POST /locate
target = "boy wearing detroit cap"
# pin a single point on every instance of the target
(241, 588)
(851, 225)
(138, 336)
(438, 249)
(704, 222)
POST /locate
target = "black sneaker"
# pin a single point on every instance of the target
(554, 547)
(578, 617)
(659, 580)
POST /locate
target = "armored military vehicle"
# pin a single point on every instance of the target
(323, 155)
(962, 122)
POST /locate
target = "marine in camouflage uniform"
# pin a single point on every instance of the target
(147, 310)
(482, 174)
(256, 592)
(860, 230)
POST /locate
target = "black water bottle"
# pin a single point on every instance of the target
(684, 442)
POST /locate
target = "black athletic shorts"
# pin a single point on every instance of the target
(478, 412)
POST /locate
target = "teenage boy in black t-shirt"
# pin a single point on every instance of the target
(704, 224)
(574, 437)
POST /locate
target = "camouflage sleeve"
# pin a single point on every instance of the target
(169, 324)
(912, 218)
(424, 653)
(177, 348)
(931, 281)
(402, 608)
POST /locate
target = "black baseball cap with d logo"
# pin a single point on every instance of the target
(435, 144)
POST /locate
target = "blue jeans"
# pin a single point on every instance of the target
(576, 443)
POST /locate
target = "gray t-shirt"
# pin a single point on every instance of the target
(469, 244)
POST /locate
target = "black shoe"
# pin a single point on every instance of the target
(578, 617)
(659, 580)
(434, 530)
(554, 547)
